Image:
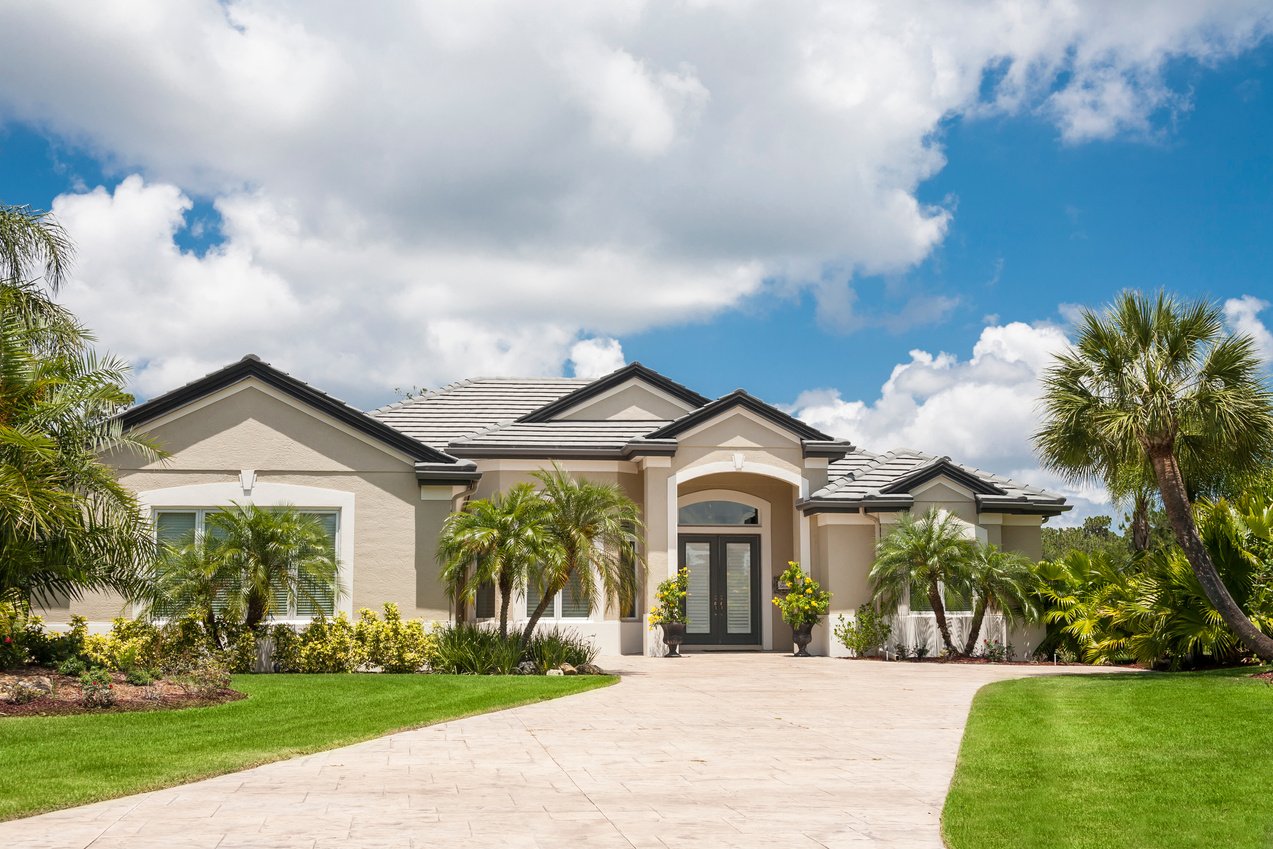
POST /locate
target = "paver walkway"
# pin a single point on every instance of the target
(737, 750)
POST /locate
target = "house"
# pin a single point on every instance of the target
(732, 487)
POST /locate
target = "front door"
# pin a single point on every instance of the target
(723, 605)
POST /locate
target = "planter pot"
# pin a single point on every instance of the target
(801, 635)
(673, 636)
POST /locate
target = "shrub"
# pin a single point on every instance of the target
(671, 595)
(131, 643)
(550, 649)
(868, 631)
(72, 666)
(329, 645)
(97, 689)
(139, 677)
(394, 645)
(805, 602)
(919, 651)
(204, 676)
(242, 652)
(286, 654)
(995, 651)
(465, 649)
(902, 651)
(23, 692)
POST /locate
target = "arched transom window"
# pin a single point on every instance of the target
(714, 513)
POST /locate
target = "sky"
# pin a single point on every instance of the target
(881, 217)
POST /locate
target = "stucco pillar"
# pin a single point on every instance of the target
(656, 472)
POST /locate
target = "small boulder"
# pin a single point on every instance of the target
(526, 667)
(567, 669)
(554, 672)
(589, 669)
(41, 683)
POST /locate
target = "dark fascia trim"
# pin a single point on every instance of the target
(942, 467)
(615, 378)
(740, 398)
(650, 448)
(832, 450)
(873, 505)
(442, 474)
(251, 366)
(1022, 506)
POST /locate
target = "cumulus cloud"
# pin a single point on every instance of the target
(980, 411)
(427, 191)
(1242, 315)
(596, 357)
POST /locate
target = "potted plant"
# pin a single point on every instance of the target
(669, 612)
(802, 605)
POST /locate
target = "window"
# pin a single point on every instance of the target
(710, 513)
(568, 604)
(182, 527)
(484, 606)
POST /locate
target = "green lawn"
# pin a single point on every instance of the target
(56, 762)
(1128, 761)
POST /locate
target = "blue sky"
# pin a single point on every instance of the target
(880, 221)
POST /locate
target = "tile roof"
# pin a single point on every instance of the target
(532, 438)
(886, 477)
(469, 407)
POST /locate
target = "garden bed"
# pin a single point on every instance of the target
(62, 694)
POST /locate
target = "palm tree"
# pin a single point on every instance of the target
(1157, 380)
(277, 557)
(499, 540)
(66, 525)
(929, 552)
(191, 582)
(593, 533)
(1001, 581)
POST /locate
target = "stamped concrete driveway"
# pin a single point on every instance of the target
(736, 750)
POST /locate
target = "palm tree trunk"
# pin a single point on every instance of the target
(1140, 522)
(546, 600)
(1176, 502)
(939, 611)
(974, 628)
(505, 583)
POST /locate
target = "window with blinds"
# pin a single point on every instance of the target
(176, 528)
(567, 604)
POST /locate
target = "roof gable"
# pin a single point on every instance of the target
(631, 373)
(942, 467)
(736, 400)
(251, 367)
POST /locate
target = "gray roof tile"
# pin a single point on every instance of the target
(469, 407)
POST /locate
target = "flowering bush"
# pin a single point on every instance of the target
(805, 601)
(995, 651)
(670, 599)
(96, 688)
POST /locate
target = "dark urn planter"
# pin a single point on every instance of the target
(801, 635)
(673, 636)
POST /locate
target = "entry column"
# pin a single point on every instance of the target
(659, 537)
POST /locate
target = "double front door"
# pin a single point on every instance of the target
(723, 606)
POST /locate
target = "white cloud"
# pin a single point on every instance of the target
(434, 190)
(981, 411)
(1242, 316)
(596, 357)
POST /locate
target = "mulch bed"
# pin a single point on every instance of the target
(1267, 676)
(66, 698)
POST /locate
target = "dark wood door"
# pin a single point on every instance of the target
(723, 607)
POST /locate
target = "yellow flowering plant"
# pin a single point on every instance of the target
(670, 599)
(805, 602)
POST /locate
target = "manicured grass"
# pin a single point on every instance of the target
(1126, 761)
(56, 762)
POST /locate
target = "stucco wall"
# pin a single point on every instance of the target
(395, 531)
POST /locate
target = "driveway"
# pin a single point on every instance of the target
(732, 750)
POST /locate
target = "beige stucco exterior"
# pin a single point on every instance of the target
(251, 442)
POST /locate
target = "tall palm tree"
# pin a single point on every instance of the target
(66, 525)
(593, 535)
(930, 552)
(278, 557)
(1158, 380)
(1001, 581)
(500, 540)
